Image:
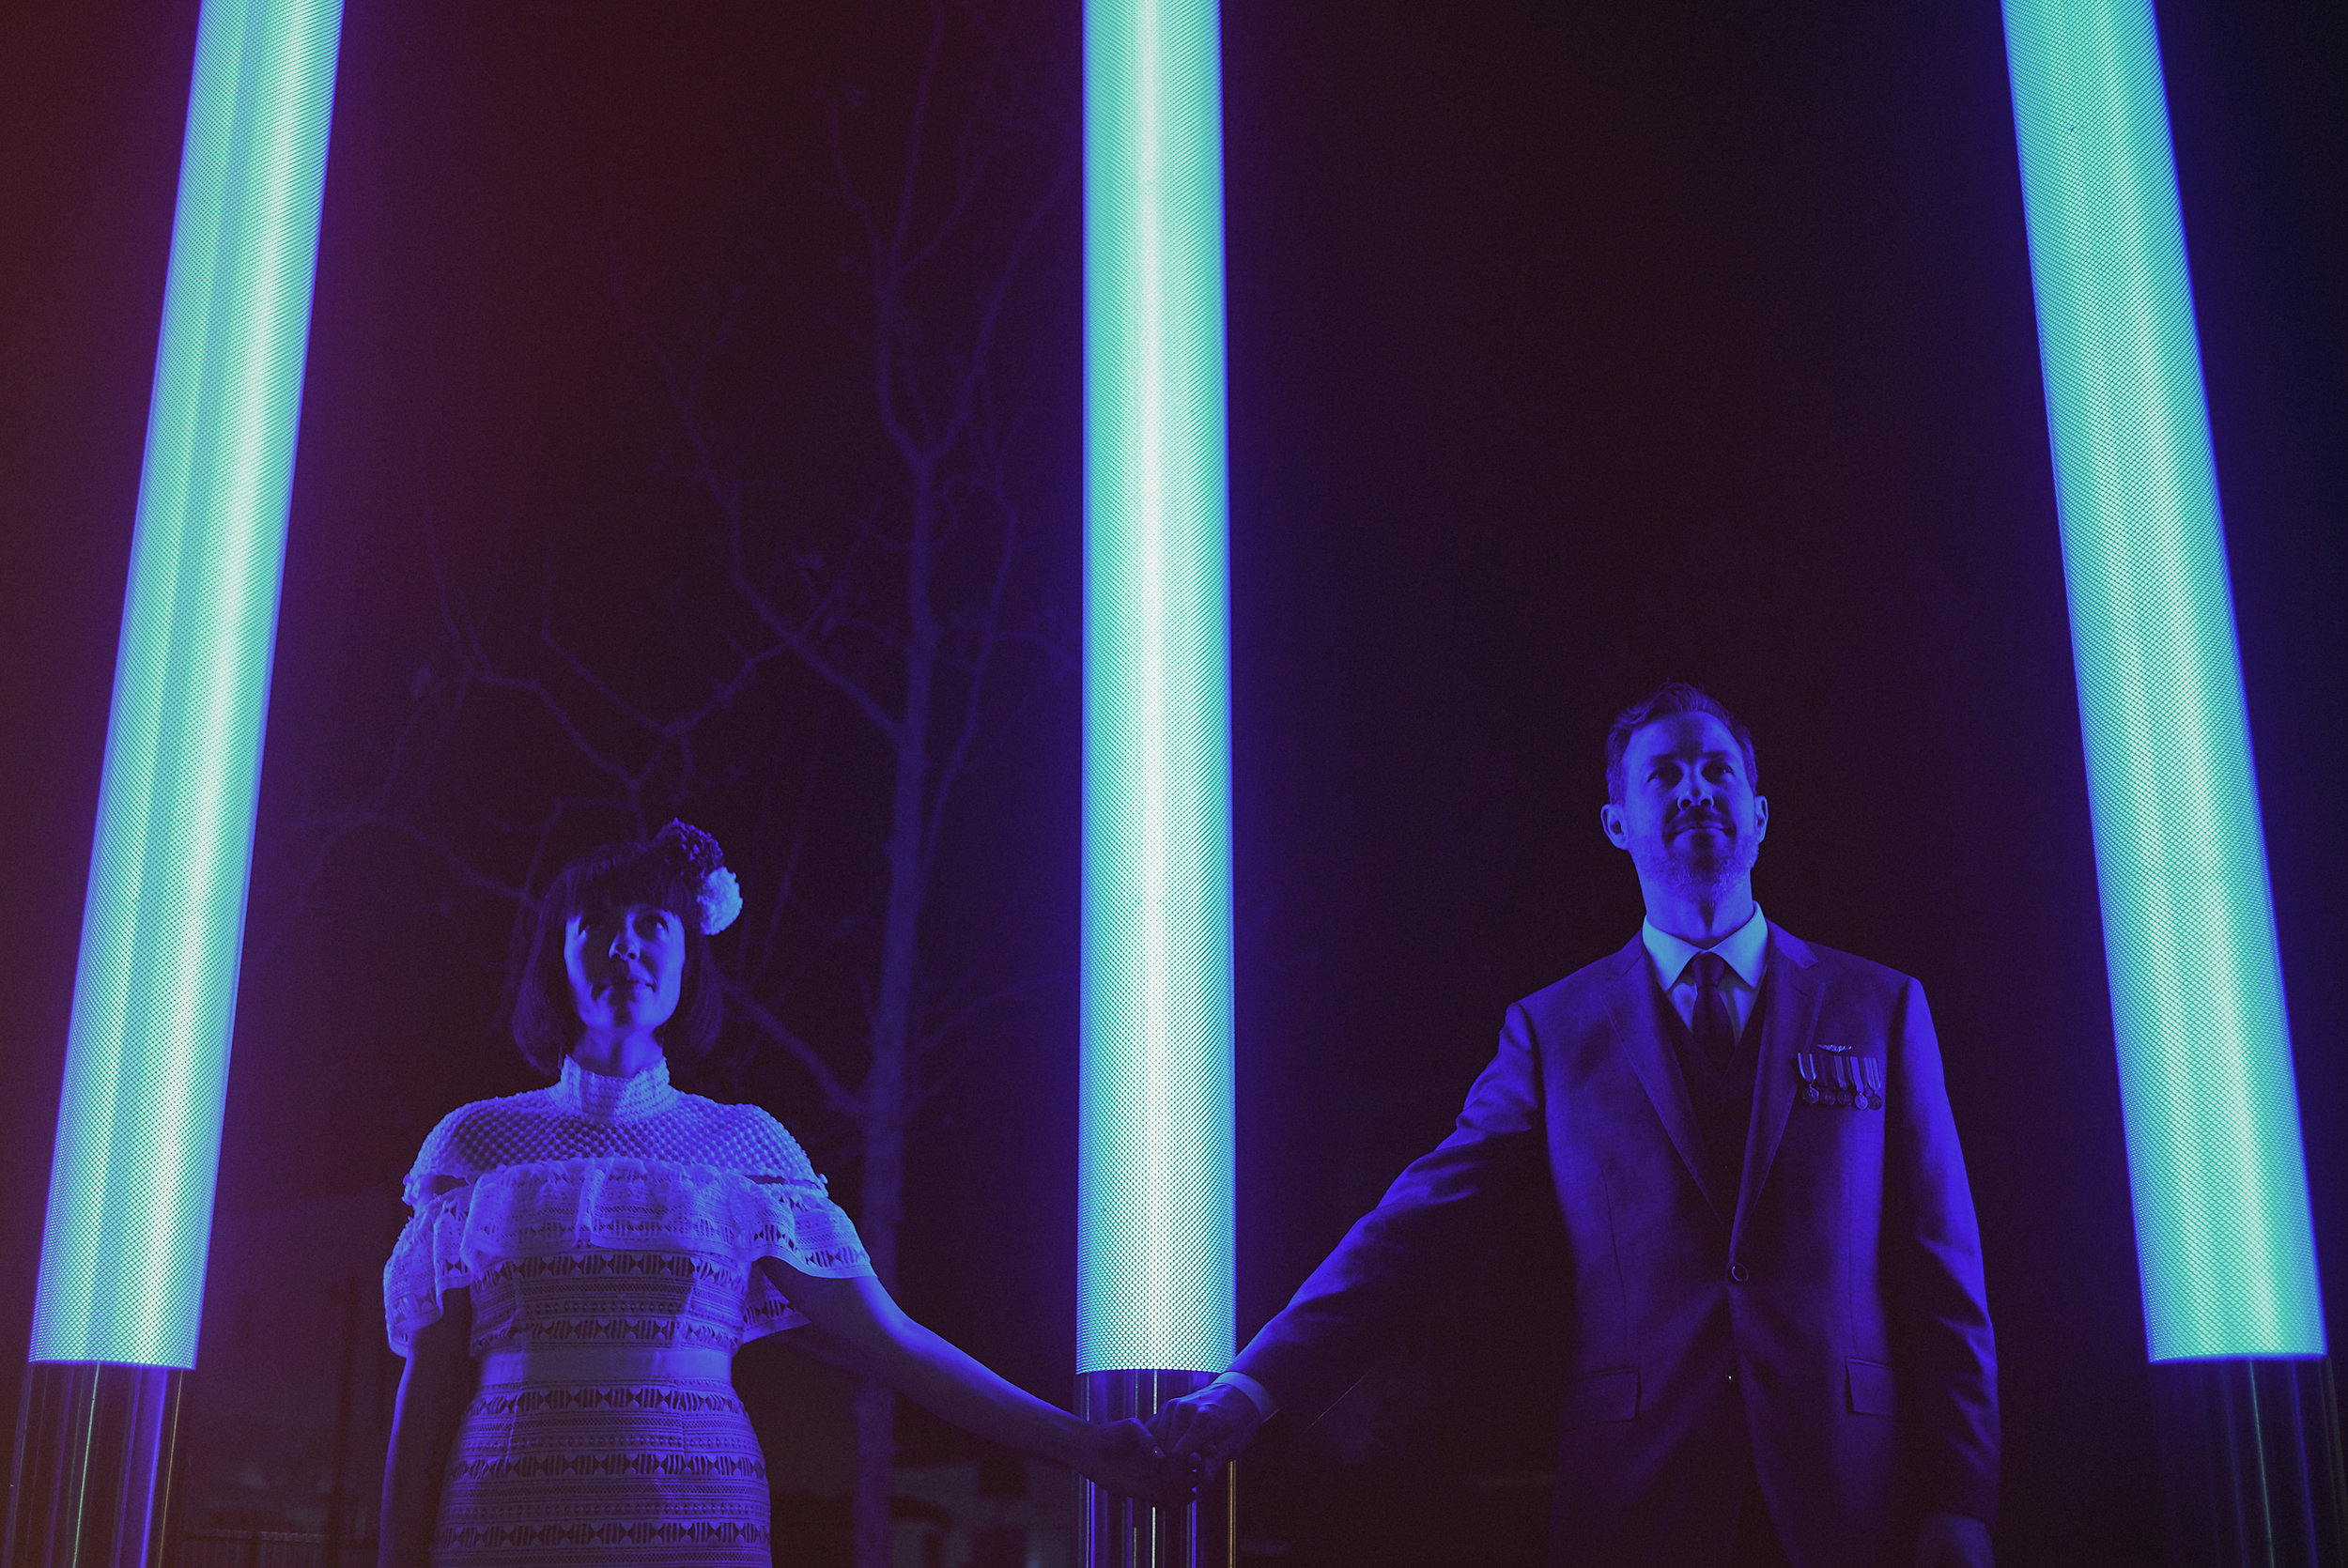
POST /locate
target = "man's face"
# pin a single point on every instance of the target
(1688, 817)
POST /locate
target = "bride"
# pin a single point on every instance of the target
(584, 1261)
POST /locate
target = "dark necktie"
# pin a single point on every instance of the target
(1713, 1024)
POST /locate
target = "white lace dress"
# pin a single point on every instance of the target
(607, 1229)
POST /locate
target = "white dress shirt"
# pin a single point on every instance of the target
(1745, 950)
(1257, 1393)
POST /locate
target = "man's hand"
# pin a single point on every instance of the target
(1209, 1427)
(1953, 1541)
(1122, 1456)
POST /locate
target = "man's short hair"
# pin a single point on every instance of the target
(1672, 697)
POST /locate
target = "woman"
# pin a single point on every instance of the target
(585, 1260)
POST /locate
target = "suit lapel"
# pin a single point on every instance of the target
(1790, 991)
(1634, 1004)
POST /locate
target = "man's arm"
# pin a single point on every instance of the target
(1938, 1306)
(1439, 1211)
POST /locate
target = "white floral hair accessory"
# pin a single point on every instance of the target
(719, 894)
(720, 901)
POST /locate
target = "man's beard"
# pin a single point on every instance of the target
(1707, 879)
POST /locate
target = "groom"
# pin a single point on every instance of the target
(1779, 1350)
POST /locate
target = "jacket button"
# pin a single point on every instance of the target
(1738, 1272)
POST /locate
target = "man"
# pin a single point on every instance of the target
(1780, 1350)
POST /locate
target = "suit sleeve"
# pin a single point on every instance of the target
(1939, 1308)
(1440, 1210)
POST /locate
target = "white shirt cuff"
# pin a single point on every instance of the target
(1257, 1395)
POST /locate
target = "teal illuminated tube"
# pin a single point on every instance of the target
(2216, 1165)
(1154, 1167)
(163, 930)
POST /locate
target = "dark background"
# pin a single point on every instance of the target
(1573, 346)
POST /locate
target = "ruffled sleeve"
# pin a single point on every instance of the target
(425, 1263)
(804, 1227)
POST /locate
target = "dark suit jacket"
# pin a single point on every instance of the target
(1823, 1324)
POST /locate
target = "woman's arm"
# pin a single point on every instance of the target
(433, 1393)
(864, 1321)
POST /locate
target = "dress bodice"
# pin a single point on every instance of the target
(615, 1211)
(608, 1231)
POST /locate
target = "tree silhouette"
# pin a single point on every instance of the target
(815, 640)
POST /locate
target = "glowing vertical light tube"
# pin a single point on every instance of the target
(146, 1059)
(2215, 1160)
(1154, 1244)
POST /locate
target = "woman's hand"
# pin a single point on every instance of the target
(1123, 1457)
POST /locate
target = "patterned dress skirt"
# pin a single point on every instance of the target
(596, 1454)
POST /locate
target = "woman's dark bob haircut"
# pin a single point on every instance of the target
(545, 1024)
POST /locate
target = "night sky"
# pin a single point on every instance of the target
(1573, 346)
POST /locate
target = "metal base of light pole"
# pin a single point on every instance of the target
(2250, 1462)
(97, 1447)
(1119, 1533)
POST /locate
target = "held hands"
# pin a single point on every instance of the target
(1122, 1456)
(1206, 1430)
(1186, 1443)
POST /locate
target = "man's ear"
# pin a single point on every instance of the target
(1760, 818)
(1609, 823)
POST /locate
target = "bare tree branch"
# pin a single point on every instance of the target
(882, 581)
(776, 1033)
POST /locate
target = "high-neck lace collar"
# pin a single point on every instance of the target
(614, 1100)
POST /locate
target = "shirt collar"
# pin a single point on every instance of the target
(1743, 950)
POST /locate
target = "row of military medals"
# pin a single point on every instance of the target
(1855, 1081)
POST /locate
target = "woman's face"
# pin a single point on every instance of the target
(626, 966)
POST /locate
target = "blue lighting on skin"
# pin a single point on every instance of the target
(2215, 1161)
(1154, 1168)
(163, 930)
